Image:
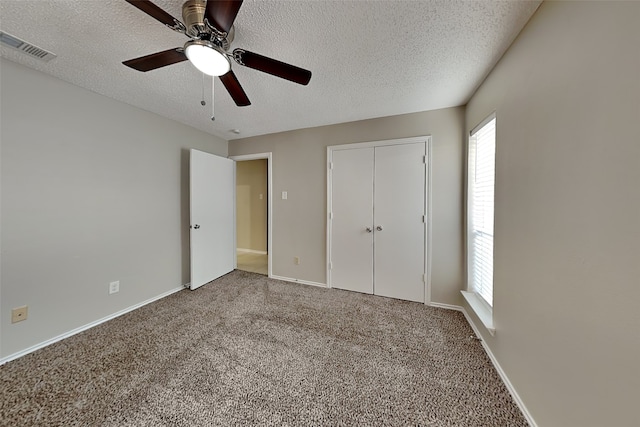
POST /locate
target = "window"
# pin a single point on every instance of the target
(480, 201)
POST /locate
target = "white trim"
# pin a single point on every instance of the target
(329, 218)
(482, 123)
(235, 214)
(269, 157)
(446, 306)
(481, 309)
(428, 212)
(87, 326)
(503, 375)
(251, 251)
(380, 143)
(302, 282)
(427, 140)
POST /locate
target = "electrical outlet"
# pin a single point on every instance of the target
(19, 314)
(296, 260)
(114, 287)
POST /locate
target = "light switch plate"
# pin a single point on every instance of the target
(114, 287)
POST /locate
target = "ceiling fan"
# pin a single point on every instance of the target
(209, 26)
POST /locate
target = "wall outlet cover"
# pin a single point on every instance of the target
(19, 314)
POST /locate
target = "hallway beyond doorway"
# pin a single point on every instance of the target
(252, 262)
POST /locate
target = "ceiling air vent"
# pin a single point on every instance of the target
(21, 45)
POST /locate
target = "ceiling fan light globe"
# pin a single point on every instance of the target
(207, 58)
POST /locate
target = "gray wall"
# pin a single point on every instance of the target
(93, 191)
(567, 219)
(299, 167)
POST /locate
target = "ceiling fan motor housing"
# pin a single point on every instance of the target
(193, 15)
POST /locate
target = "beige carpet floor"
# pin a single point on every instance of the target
(248, 350)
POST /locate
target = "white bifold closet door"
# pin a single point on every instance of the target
(352, 224)
(399, 210)
(378, 229)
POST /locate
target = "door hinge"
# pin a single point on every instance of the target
(424, 219)
(330, 165)
(424, 159)
(330, 265)
(424, 278)
(330, 215)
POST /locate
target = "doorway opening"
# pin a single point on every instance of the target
(253, 213)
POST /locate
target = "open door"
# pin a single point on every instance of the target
(212, 208)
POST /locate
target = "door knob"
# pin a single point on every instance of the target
(379, 228)
(369, 230)
(196, 226)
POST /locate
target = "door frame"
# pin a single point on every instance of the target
(427, 200)
(268, 157)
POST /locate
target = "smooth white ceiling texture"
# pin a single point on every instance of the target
(368, 58)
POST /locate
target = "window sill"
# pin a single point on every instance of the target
(480, 308)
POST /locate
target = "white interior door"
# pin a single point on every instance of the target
(352, 220)
(212, 206)
(399, 235)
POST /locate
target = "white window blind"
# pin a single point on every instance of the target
(482, 154)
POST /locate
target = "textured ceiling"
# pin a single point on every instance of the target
(368, 58)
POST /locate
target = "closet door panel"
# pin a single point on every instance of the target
(352, 208)
(399, 246)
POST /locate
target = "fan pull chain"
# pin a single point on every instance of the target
(213, 116)
(203, 102)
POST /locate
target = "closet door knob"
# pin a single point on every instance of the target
(369, 230)
(379, 228)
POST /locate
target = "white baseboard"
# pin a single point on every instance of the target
(447, 306)
(303, 282)
(87, 326)
(250, 251)
(503, 375)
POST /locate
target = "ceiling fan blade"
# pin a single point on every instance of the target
(272, 66)
(222, 13)
(157, 60)
(154, 11)
(230, 81)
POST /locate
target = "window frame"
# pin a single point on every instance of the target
(482, 307)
